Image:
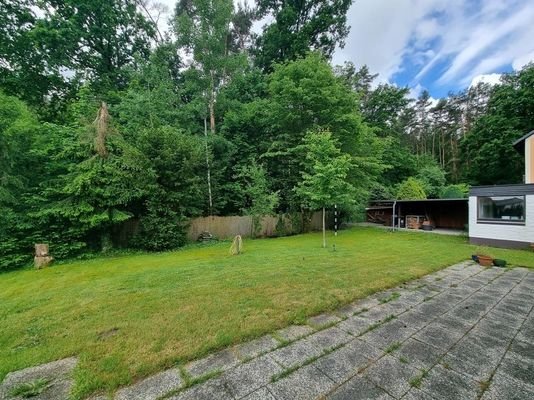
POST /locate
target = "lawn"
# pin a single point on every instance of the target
(129, 316)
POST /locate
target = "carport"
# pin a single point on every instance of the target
(440, 213)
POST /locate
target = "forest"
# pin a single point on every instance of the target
(106, 118)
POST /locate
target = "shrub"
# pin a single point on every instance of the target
(459, 191)
(411, 189)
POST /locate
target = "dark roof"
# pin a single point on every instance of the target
(518, 144)
(420, 200)
(520, 189)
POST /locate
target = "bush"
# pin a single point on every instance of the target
(160, 232)
(432, 178)
(459, 191)
(411, 189)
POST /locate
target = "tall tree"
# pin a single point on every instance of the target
(487, 152)
(55, 43)
(18, 131)
(298, 27)
(204, 30)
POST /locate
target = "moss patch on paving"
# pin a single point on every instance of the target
(130, 316)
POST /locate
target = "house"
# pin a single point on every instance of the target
(503, 215)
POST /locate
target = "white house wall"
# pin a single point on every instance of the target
(502, 232)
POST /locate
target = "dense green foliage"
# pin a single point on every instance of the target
(114, 134)
(411, 189)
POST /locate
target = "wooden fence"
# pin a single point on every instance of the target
(228, 227)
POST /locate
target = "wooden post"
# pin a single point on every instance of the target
(324, 229)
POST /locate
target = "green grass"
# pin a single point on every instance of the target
(30, 389)
(393, 296)
(417, 380)
(129, 316)
(393, 347)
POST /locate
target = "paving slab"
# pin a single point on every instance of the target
(437, 335)
(526, 334)
(355, 325)
(56, 377)
(347, 360)
(248, 377)
(323, 320)
(442, 383)
(219, 361)
(296, 353)
(359, 388)
(418, 354)
(256, 347)
(415, 319)
(434, 306)
(260, 394)
(377, 314)
(153, 387)
(306, 383)
(514, 307)
(388, 334)
(416, 394)
(454, 325)
(504, 387)
(391, 375)
(312, 346)
(522, 349)
(502, 317)
(494, 329)
(294, 332)
(210, 390)
(518, 368)
(330, 338)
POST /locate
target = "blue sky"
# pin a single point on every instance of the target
(439, 45)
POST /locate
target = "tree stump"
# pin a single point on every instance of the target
(42, 258)
(41, 250)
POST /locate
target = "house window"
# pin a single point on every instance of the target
(505, 209)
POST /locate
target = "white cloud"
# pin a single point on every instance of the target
(492, 43)
(492, 79)
(381, 31)
(521, 61)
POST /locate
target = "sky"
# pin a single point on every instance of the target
(438, 45)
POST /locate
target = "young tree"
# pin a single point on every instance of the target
(259, 199)
(324, 180)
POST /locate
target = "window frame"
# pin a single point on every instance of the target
(498, 221)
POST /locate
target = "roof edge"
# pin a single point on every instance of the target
(518, 142)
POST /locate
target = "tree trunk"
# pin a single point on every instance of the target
(324, 230)
(208, 166)
(212, 104)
